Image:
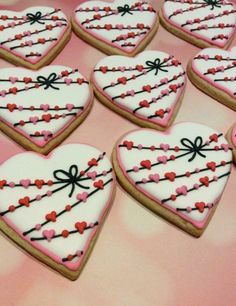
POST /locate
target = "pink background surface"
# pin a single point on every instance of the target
(139, 259)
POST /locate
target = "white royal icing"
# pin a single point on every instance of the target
(154, 183)
(212, 21)
(22, 89)
(150, 68)
(133, 20)
(90, 208)
(218, 67)
(21, 33)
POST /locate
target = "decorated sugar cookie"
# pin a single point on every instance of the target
(179, 174)
(147, 89)
(33, 37)
(213, 71)
(54, 206)
(231, 137)
(39, 109)
(122, 27)
(204, 23)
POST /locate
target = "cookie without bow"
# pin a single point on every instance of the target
(147, 89)
(214, 71)
(33, 38)
(122, 27)
(40, 109)
(179, 174)
(231, 137)
(203, 23)
(54, 206)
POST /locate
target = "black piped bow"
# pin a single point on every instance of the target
(33, 18)
(126, 9)
(156, 65)
(193, 147)
(48, 81)
(213, 3)
(70, 178)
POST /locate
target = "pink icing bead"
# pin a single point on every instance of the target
(25, 183)
(164, 147)
(70, 106)
(182, 190)
(34, 119)
(154, 177)
(140, 147)
(162, 159)
(104, 172)
(11, 184)
(49, 193)
(189, 209)
(196, 186)
(92, 175)
(20, 108)
(13, 79)
(68, 81)
(38, 197)
(164, 81)
(38, 227)
(144, 180)
(2, 93)
(82, 196)
(135, 169)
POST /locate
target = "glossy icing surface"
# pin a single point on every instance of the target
(122, 24)
(184, 170)
(217, 67)
(32, 33)
(57, 203)
(148, 86)
(41, 104)
(211, 21)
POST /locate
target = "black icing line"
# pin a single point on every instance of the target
(34, 43)
(32, 33)
(42, 120)
(60, 235)
(64, 210)
(200, 185)
(184, 174)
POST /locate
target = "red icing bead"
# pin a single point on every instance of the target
(68, 207)
(204, 180)
(65, 233)
(49, 182)
(2, 183)
(39, 183)
(11, 107)
(128, 144)
(170, 176)
(146, 164)
(99, 184)
(122, 80)
(214, 137)
(200, 206)
(70, 257)
(104, 69)
(93, 162)
(46, 117)
(147, 88)
(173, 197)
(211, 165)
(24, 201)
(11, 208)
(80, 226)
(188, 174)
(52, 216)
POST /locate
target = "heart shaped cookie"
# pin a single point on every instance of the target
(231, 137)
(213, 71)
(203, 23)
(147, 89)
(179, 175)
(33, 37)
(39, 109)
(121, 27)
(54, 206)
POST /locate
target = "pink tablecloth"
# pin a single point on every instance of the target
(139, 259)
